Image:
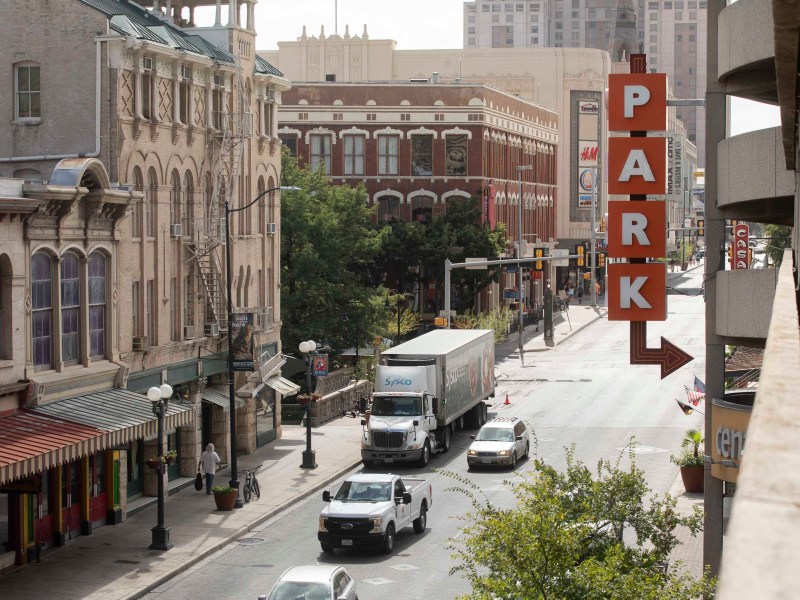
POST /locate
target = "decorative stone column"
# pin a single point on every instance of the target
(191, 435)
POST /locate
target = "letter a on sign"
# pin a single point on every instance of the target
(637, 292)
(637, 165)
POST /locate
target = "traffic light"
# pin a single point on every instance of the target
(538, 265)
(601, 260)
(580, 250)
(701, 223)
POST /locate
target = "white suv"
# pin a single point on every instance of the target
(501, 441)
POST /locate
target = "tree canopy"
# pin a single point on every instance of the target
(563, 539)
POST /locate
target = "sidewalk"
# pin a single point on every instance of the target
(114, 563)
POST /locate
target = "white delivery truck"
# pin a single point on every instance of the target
(425, 389)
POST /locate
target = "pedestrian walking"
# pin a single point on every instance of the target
(209, 460)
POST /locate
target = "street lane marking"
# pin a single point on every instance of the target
(404, 567)
(377, 581)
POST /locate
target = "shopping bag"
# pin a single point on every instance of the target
(198, 482)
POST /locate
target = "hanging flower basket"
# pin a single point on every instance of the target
(304, 399)
(170, 457)
(155, 462)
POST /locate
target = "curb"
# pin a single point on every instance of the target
(237, 534)
(575, 330)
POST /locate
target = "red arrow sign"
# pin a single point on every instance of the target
(669, 356)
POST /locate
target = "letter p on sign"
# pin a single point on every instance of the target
(637, 102)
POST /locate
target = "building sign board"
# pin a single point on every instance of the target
(740, 257)
(637, 229)
(636, 292)
(637, 102)
(637, 165)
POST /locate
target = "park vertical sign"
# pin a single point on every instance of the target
(637, 228)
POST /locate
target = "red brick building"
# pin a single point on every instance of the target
(417, 146)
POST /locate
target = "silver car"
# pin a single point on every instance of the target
(501, 441)
(314, 582)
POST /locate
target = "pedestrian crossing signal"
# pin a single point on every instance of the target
(538, 265)
(580, 251)
(601, 260)
(701, 227)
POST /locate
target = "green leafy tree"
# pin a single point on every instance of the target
(779, 238)
(327, 249)
(563, 539)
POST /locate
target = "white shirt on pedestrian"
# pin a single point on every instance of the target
(209, 461)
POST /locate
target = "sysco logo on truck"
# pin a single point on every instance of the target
(393, 381)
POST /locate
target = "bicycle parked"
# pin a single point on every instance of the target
(251, 486)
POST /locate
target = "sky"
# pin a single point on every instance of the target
(401, 20)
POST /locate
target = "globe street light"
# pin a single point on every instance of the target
(309, 455)
(234, 482)
(159, 397)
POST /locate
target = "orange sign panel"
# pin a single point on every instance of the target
(637, 165)
(637, 102)
(637, 229)
(637, 292)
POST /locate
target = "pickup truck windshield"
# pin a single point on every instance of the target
(358, 491)
(396, 406)
(495, 434)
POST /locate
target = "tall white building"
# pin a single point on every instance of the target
(671, 33)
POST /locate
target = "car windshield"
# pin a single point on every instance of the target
(396, 406)
(495, 434)
(298, 590)
(361, 491)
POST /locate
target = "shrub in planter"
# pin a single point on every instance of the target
(691, 460)
(224, 496)
(171, 456)
(154, 462)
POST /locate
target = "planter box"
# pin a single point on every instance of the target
(693, 479)
(225, 501)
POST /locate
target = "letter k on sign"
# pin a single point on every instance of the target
(636, 292)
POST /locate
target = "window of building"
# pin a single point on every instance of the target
(184, 90)
(290, 141)
(485, 8)
(575, 36)
(216, 102)
(653, 39)
(188, 305)
(471, 19)
(150, 202)
(187, 204)
(135, 317)
(173, 313)
(691, 4)
(534, 29)
(388, 209)
(652, 5)
(97, 305)
(422, 155)
(70, 309)
(693, 16)
(534, 40)
(495, 8)
(148, 83)
(502, 37)
(509, 18)
(152, 310)
(175, 199)
(136, 217)
(471, 41)
(422, 209)
(28, 92)
(320, 152)
(495, 18)
(678, 16)
(42, 309)
(471, 30)
(354, 154)
(520, 7)
(387, 154)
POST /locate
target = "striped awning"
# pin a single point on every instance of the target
(123, 415)
(282, 386)
(219, 397)
(31, 443)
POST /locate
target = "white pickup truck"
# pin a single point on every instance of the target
(370, 508)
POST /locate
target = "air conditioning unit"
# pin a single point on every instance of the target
(147, 63)
(188, 332)
(176, 230)
(271, 228)
(271, 94)
(211, 329)
(141, 342)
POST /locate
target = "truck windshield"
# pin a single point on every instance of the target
(360, 491)
(396, 406)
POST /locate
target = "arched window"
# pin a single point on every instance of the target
(271, 213)
(70, 308)
(261, 205)
(97, 305)
(388, 209)
(187, 210)
(151, 203)
(6, 308)
(422, 209)
(175, 199)
(42, 310)
(209, 200)
(138, 186)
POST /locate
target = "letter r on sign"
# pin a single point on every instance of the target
(637, 229)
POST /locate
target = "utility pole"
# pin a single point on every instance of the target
(520, 169)
(593, 238)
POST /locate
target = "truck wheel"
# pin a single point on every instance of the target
(326, 548)
(484, 414)
(426, 454)
(422, 522)
(388, 540)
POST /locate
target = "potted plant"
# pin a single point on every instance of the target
(155, 462)
(224, 496)
(690, 460)
(171, 456)
(304, 399)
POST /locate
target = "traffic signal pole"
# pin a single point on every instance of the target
(593, 239)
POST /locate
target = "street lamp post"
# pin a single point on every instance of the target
(159, 396)
(309, 455)
(520, 169)
(234, 482)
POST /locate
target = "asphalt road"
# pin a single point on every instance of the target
(583, 392)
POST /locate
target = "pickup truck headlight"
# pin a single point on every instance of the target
(377, 525)
(322, 524)
(503, 453)
(472, 452)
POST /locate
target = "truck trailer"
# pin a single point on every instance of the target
(425, 389)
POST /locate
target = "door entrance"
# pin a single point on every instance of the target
(98, 502)
(71, 499)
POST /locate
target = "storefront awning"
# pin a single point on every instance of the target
(282, 386)
(219, 397)
(123, 415)
(31, 443)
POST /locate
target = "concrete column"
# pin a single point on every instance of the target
(716, 120)
(218, 17)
